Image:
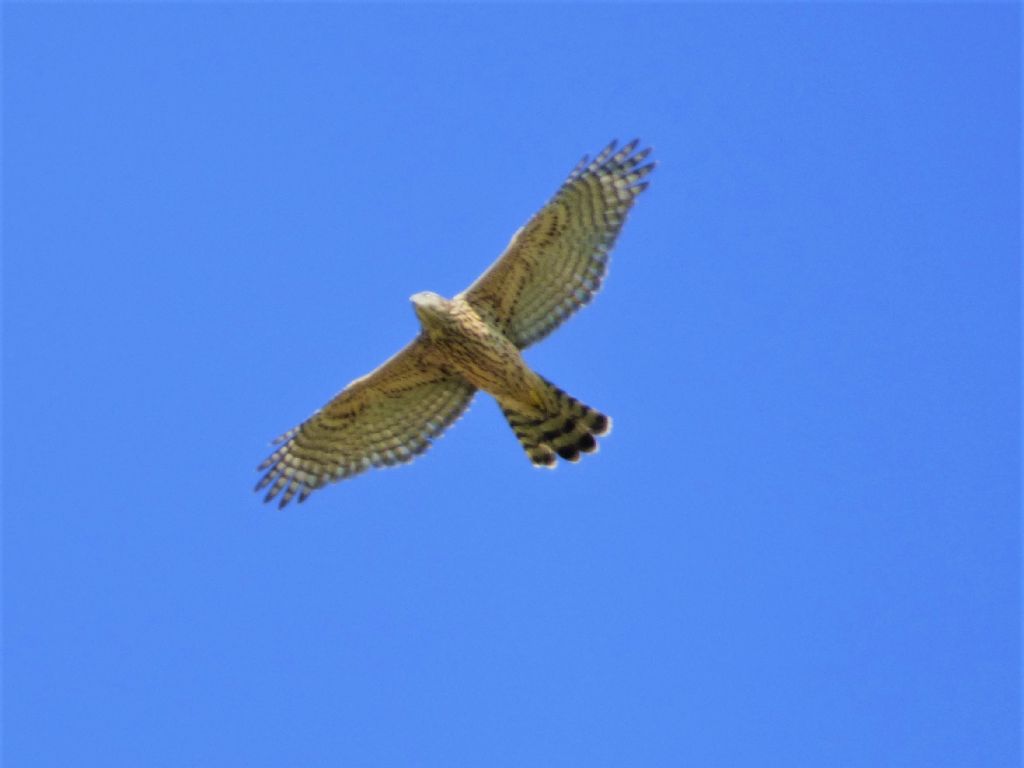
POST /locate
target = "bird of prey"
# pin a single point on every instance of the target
(552, 266)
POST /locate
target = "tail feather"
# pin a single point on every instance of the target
(563, 426)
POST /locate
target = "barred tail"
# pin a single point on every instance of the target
(563, 426)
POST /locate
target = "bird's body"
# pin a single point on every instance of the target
(472, 346)
(551, 267)
(544, 418)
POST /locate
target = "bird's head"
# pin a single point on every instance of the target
(431, 309)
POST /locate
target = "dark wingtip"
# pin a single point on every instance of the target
(543, 460)
(569, 453)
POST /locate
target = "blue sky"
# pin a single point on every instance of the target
(801, 544)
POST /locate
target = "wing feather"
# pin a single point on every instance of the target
(387, 417)
(557, 261)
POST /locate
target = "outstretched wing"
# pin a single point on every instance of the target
(555, 263)
(386, 417)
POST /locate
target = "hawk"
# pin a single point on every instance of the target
(551, 267)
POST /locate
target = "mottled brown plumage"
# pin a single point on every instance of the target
(551, 267)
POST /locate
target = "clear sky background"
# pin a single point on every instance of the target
(799, 547)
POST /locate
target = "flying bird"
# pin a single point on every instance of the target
(552, 266)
